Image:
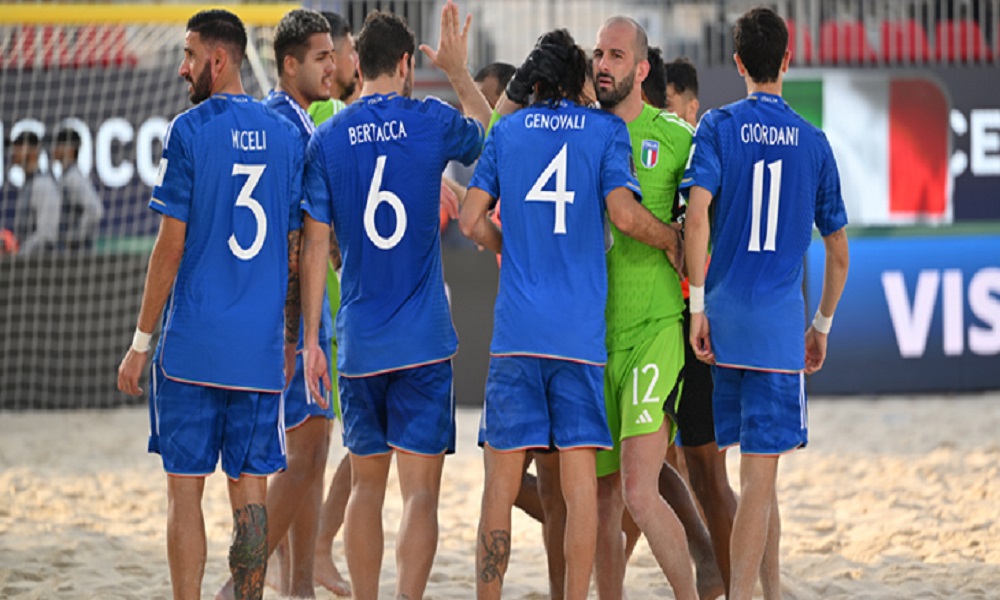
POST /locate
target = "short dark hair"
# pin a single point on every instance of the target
(68, 135)
(655, 84)
(223, 27)
(27, 138)
(574, 73)
(383, 41)
(761, 38)
(291, 37)
(339, 27)
(501, 71)
(682, 74)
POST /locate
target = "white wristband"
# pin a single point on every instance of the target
(697, 298)
(821, 323)
(140, 341)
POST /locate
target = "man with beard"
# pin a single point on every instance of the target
(558, 165)
(394, 328)
(343, 86)
(304, 55)
(644, 334)
(344, 82)
(228, 190)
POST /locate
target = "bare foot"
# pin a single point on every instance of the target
(226, 592)
(325, 573)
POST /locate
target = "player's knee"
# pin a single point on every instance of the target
(639, 498)
(424, 500)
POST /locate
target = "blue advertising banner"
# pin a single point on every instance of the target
(919, 314)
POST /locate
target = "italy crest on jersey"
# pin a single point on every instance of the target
(650, 153)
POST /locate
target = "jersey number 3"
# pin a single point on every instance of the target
(560, 196)
(246, 199)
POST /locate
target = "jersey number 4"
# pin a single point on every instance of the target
(773, 199)
(560, 196)
(246, 199)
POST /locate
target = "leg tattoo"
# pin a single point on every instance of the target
(497, 551)
(248, 554)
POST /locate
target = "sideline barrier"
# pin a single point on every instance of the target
(920, 313)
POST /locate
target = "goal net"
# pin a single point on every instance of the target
(103, 77)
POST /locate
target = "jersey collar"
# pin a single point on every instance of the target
(767, 98)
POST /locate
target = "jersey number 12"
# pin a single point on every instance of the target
(773, 198)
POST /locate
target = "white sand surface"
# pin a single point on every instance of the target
(894, 498)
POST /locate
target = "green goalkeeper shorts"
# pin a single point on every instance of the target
(641, 387)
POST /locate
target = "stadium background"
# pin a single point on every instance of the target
(907, 91)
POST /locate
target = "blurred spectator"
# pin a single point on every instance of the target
(82, 209)
(654, 87)
(36, 222)
(682, 89)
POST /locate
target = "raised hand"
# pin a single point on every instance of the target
(452, 52)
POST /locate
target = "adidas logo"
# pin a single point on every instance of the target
(644, 418)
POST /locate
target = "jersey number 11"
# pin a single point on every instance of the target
(772, 205)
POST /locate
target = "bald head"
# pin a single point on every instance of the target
(640, 43)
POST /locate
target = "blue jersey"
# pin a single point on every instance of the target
(374, 172)
(232, 171)
(287, 107)
(772, 175)
(553, 165)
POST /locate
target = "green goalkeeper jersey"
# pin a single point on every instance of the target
(643, 288)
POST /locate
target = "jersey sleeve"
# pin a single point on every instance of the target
(704, 168)
(831, 215)
(617, 164)
(463, 136)
(486, 175)
(317, 201)
(175, 178)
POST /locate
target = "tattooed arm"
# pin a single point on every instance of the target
(293, 304)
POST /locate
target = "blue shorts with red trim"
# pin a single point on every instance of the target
(535, 402)
(412, 410)
(299, 403)
(191, 426)
(761, 411)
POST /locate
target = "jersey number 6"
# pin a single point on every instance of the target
(376, 197)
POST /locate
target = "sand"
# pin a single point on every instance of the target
(894, 498)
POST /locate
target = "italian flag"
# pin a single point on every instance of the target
(891, 138)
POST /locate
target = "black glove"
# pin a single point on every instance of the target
(546, 62)
(550, 62)
(520, 85)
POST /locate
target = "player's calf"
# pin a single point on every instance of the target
(248, 552)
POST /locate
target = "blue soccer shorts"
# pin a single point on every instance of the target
(534, 402)
(763, 412)
(191, 426)
(412, 410)
(299, 403)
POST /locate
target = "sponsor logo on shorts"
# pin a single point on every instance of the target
(644, 418)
